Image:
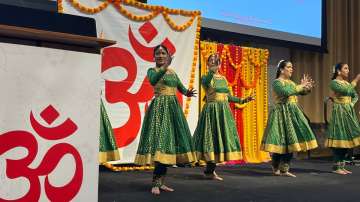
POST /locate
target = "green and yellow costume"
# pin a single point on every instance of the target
(344, 128)
(288, 129)
(216, 138)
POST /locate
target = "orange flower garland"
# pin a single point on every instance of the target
(133, 17)
(226, 54)
(257, 59)
(127, 168)
(194, 65)
(82, 8)
(155, 11)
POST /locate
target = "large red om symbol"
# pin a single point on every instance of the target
(20, 168)
(117, 91)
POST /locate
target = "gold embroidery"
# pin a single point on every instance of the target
(161, 89)
(169, 159)
(212, 95)
(342, 143)
(221, 157)
(216, 97)
(342, 100)
(290, 99)
(109, 156)
(303, 146)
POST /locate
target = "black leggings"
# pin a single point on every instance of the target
(339, 154)
(210, 168)
(281, 161)
(160, 170)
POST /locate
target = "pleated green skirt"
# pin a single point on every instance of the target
(344, 128)
(216, 138)
(165, 135)
(287, 130)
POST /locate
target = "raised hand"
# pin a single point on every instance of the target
(355, 81)
(307, 82)
(250, 98)
(191, 93)
(312, 83)
(304, 80)
(357, 77)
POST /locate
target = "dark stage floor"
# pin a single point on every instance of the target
(250, 182)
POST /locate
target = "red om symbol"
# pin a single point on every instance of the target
(20, 168)
(117, 91)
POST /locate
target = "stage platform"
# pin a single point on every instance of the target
(248, 182)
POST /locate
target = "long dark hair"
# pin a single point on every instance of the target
(337, 68)
(280, 67)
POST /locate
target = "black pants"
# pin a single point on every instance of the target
(281, 161)
(160, 170)
(210, 168)
(159, 174)
(339, 154)
(339, 157)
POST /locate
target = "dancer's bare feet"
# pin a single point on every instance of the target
(346, 171)
(166, 188)
(288, 174)
(217, 177)
(276, 172)
(155, 191)
(213, 176)
(339, 171)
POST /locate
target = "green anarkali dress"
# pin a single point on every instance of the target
(165, 135)
(344, 128)
(216, 138)
(287, 129)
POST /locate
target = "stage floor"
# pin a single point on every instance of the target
(249, 182)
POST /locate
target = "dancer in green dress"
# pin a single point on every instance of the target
(216, 139)
(288, 129)
(165, 136)
(344, 129)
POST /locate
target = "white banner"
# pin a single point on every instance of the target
(126, 90)
(49, 131)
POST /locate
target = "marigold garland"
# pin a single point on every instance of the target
(226, 54)
(257, 59)
(127, 168)
(154, 11)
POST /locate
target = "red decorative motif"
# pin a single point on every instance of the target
(65, 129)
(20, 168)
(118, 92)
(49, 114)
(146, 53)
(148, 31)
